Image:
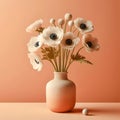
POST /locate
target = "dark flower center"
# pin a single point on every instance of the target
(36, 61)
(83, 26)
(69, 42)
(36, 44)
(89, 44)
(53, 36)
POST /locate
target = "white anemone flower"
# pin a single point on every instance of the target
(52, 36)
(83, 25)
(35, 61)
(34, 44)
(69, 41)
(34, 26)
(90, 43)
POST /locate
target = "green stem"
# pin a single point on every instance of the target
(64, 59)
(53, 65)
(65, 26)
(73, 51)
(54, 25)
(67, 58)
(71, 28)
(79, 50)
(56, 64)
(59, 58)
(74, 30)
(70, 62)
(70, 58)
(78, 34)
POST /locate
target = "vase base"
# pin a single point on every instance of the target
(63, 111)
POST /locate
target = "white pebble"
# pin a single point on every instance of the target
(85, 111)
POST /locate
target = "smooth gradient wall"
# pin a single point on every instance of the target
(97, 83)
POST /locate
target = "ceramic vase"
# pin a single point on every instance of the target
(60, 93)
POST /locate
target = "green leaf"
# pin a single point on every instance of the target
(49, 53)
(77, 57)
(85, 61)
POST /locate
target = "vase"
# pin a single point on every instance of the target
(60, 93)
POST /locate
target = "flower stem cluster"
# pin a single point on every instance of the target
(58, 41)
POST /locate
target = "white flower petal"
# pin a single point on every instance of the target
(35, 61)
(77, 40)
(90, 43)
(69, 41)
(52, 36)
(83, 25)
(34, 26)
(34, 44)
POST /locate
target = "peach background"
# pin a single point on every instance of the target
(97, 83)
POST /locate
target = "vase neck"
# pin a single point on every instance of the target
(60, 76)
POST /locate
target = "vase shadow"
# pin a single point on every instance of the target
(76, 110)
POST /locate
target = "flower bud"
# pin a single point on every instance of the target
(68, 16)
(60, 21)
(70, 23)
(34, 26)
(52, 21)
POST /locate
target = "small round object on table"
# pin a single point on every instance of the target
(85, 111)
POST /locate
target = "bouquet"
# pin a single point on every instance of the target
(57, 42)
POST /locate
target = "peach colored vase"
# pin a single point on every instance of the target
(60, 93)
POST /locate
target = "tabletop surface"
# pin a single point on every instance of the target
(39, 111)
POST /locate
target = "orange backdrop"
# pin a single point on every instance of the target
(97, 83)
